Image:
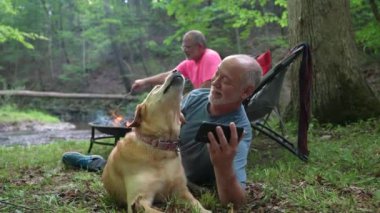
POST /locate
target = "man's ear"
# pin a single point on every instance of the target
(201, 46)
(247, 92)
(138, 116)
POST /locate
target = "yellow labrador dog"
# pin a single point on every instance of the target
(145, 165)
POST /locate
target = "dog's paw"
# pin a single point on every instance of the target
(136, 205)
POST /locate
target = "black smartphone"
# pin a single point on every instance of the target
(211, 127)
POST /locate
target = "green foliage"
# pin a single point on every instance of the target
(208, 16)
(72, 72)
(281, 3)
(7, 7)
(163, 50)
(367, 28)
(277, 41)
(80, 41)
(244, 12)
(7, 32)
(3, 83)
(9, 114)
(369, 37)
(10, 33)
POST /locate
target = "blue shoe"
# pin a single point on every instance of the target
(91, 163)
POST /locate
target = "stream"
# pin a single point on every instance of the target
(37, 133)
(72, 127)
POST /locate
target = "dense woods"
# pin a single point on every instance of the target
(101, 46)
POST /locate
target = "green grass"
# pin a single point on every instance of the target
(342, 175)
(34, 179)
(9, 114)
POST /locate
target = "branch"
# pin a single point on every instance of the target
(65, 95)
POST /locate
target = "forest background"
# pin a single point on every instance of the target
(101, 46)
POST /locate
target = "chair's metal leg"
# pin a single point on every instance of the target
(267, 117)
(279, 139)
(92, 140)
(264, 120)
(116, 139)
(278, 114)
(282, 124)
(89, 148)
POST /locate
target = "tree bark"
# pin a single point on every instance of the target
(340, 92)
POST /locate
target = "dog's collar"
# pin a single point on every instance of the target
(169, 145)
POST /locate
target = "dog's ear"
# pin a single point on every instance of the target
(138, 113)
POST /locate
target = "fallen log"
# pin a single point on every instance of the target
(30, 93)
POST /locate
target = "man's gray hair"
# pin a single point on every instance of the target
(197, 36)
(253, 73)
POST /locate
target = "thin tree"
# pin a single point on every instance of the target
(112, 32)
(340, 92)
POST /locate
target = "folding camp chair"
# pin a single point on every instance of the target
(266, 96)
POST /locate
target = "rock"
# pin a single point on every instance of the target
(326, 137)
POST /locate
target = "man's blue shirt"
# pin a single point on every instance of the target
(195, 156)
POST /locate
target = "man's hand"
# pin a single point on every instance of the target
(142, 84)
(222, 154)
(138, 86)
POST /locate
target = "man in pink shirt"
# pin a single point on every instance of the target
(199, 67)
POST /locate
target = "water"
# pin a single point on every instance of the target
(36, 138)
(34, 133)
(72, 127)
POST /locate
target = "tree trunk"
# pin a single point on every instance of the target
(50, 35)
(116, 49)
(62, 42)
(140, 14)
(374, 9)
(340, 93)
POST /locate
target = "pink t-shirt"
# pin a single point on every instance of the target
(200, 71)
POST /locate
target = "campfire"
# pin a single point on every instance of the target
(114, 125)
(112, 119)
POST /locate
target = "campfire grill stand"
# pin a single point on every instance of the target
(111, 132)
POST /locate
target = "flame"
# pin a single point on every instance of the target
(119, 120)
(116, 118)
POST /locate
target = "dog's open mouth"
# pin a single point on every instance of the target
(175, 80)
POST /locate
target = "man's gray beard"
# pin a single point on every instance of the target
(214, 101)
